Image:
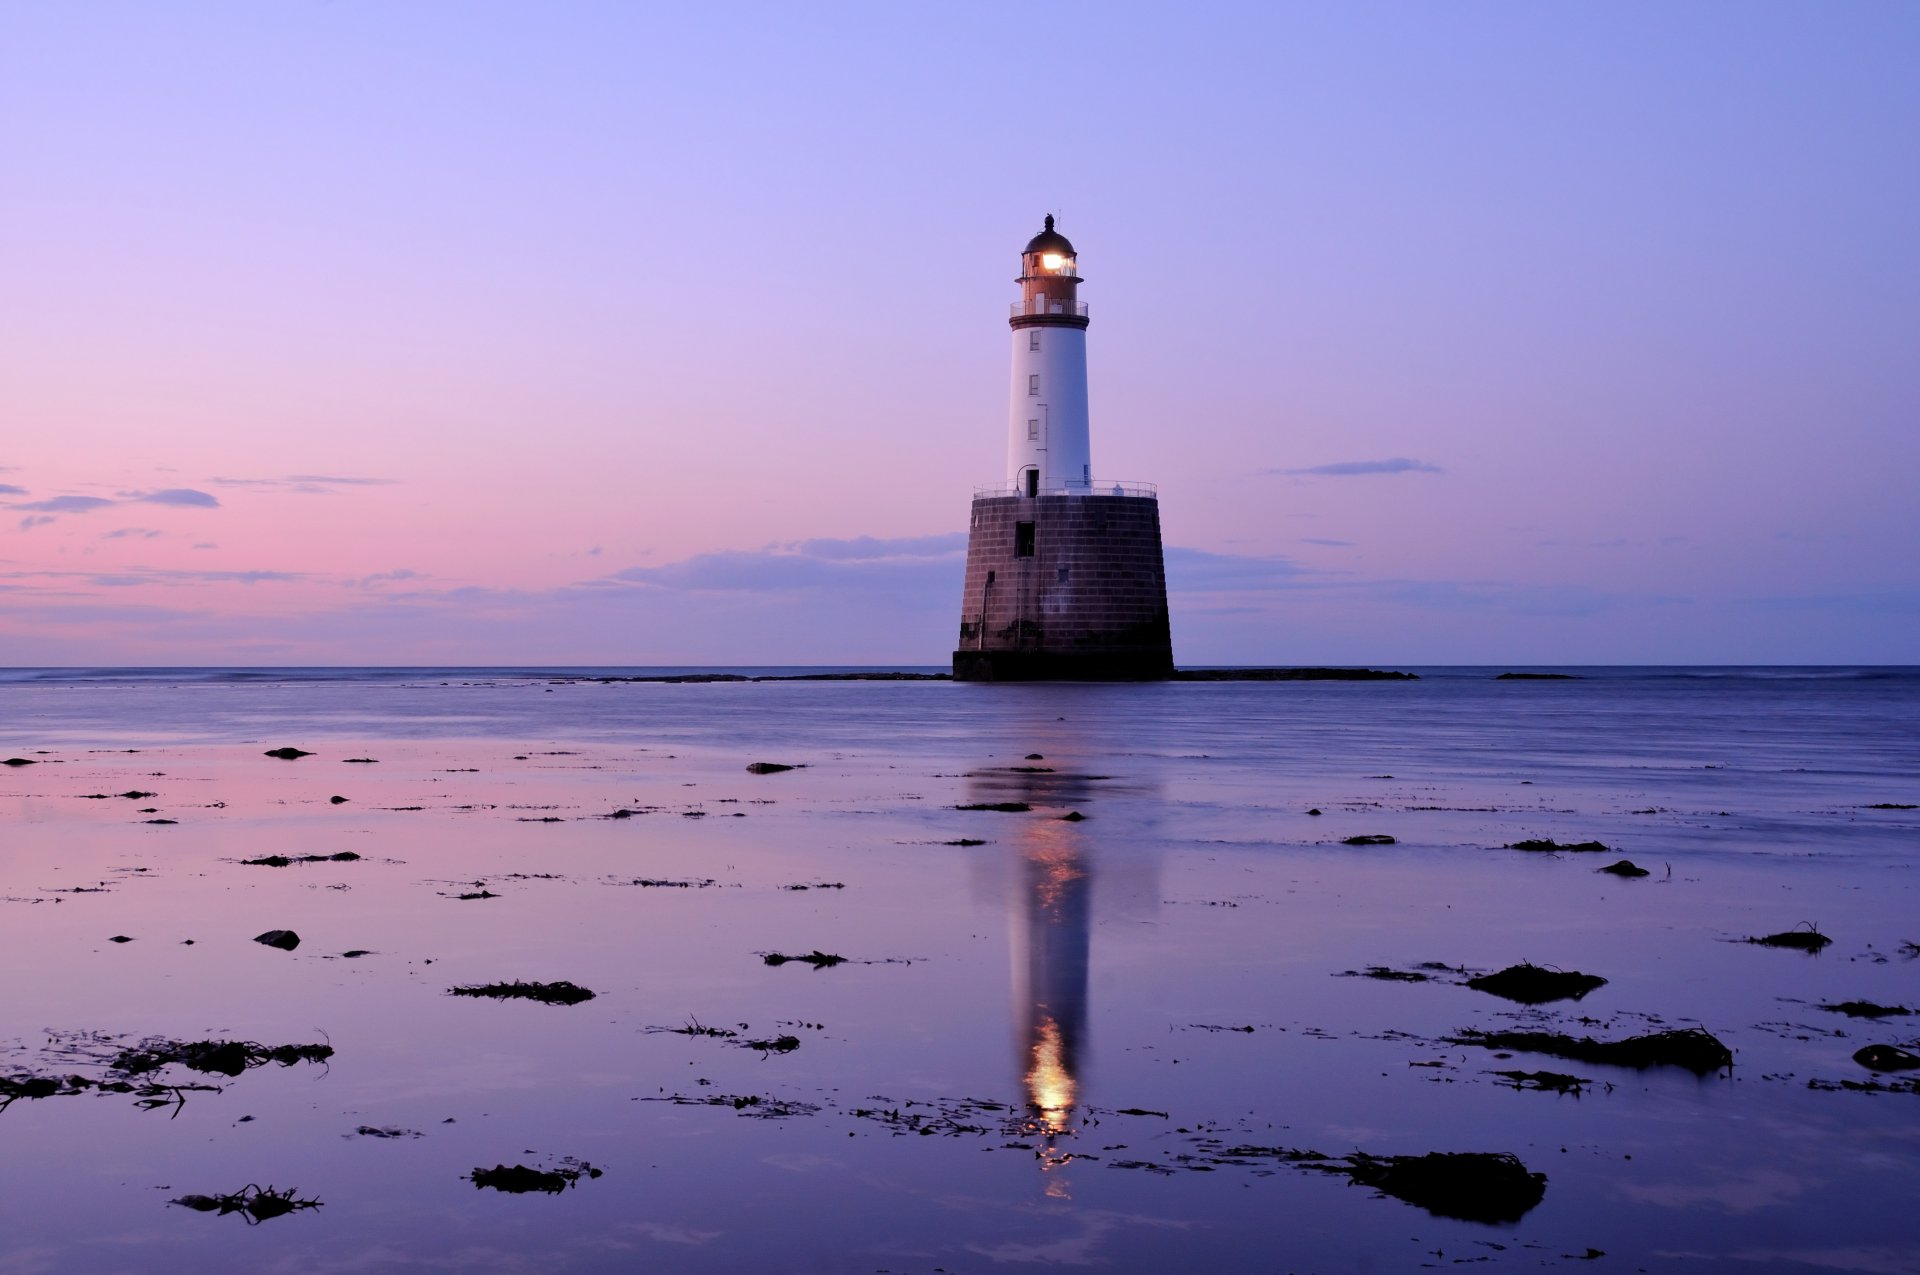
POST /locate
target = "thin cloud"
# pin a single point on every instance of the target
(337, 481)
(179, 497)
(1350, 468)
(867, 547)
(305, 484)
(66, 504)
(123, 533)
(8, 489)
(1202, 571)
(1332, 544)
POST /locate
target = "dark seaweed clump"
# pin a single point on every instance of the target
(1376, 839)
(767, 767)
(519, 1179)
(1474, 1186)
(288, 754)
(1546, 1081)
(1004, 807)
(218, 1057)
(1807, 940)
(283, 860)
(254, 1204)
(1866, 1009)
(1625, 868)
(1387, 975)
(1536, 985)
(816, 958)
(1547, 845)
(561, 993)
(1697, 1050)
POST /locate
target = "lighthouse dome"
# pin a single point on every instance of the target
(1050, 240)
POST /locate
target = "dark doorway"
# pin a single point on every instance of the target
(1023, 540)
(1033, 482)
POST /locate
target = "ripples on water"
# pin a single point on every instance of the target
(1022, 994)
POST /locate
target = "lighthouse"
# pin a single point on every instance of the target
(1065, 576)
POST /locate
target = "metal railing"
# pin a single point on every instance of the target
(1075, 308)
(1096, 487)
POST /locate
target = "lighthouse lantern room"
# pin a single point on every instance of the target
(1065, 576)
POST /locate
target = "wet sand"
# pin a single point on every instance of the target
(1107, 1041)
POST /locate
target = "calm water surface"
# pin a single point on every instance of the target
(961, 1093)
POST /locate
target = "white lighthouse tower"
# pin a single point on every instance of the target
(1065, 577)
(1047, 443)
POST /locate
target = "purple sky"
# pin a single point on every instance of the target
(610, 333)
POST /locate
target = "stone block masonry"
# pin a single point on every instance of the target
(1067, 587)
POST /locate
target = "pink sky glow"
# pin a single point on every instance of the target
(586, 334)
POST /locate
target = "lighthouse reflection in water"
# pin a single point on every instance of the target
(1050, 948)
(1049, 875)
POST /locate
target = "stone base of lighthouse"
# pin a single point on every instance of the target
(1064, 587)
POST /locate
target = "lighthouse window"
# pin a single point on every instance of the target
(1023, 540)
(1033, 385)
(1033, 339)
(1033, 429)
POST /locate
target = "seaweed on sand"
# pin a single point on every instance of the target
(254, 1204)
(1531, 984)
(1474, 1186)
(1693, 1048)
(288, 754)
(1370, 839)
(560, 993)
(1625, 868)
(768, 767)
(1003, 807)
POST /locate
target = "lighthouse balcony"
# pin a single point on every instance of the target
(1048, 305)
(1078, 487)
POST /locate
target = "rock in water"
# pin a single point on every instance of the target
(1536, 985)
(1474, 1186)
(285, 940)
(1886, 1058)
(288, 754)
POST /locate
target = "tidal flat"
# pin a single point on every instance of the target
(590, 975)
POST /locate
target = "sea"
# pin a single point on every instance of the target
(922, 976)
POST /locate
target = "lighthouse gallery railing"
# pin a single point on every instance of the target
(1076, 308)
(1097, 487)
